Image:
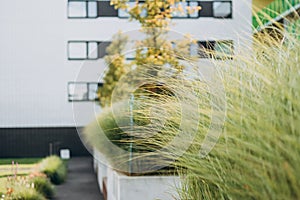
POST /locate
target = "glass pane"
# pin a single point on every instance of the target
(194, 49)
(78, 91)
(143, 13)
(77, 50)
(173, 45)
(223, 49)
(77, 9)
(93, 50)
(130, 50)
(222, 9)
(92, 7)
(124, 13)
(180, 9)
(130, 55)
(193, 7)
(93, 87)
(203, 50)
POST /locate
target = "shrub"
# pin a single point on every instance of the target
(43, 186)
(24, 193)
(2, 195)
(54, 168)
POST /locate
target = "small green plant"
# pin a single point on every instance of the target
(54, 168)
(26, 194)
(43, 186)
(33, 186)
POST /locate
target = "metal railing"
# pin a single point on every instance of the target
(272, 11)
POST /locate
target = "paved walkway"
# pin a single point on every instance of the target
(81, 183)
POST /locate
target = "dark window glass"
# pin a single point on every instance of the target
(102, 48)
(106, 10)
(206, 9)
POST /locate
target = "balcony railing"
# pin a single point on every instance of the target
(274, 10)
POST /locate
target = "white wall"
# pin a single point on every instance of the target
(34, 69)
(122, 187)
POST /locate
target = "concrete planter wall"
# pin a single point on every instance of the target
(122, 187)
(100, 167)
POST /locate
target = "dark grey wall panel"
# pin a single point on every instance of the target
(34, 142)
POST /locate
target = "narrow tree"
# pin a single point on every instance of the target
(156, 51)
(115, 60)
(155, 18)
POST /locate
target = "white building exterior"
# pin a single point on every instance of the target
(35, 64)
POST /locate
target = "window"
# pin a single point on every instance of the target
(92, 50)
(76, 9)
(125, 13)
(180, 10)
(83, 91)
(77, 91)
(187, 9)
(194, 7)
(92, 91)
(223, 49)
(130, 53)
(77, 50)
(194, 48)
(222, 9)
(92, 9)
(82, 9)
(217, 9)
(87, 50)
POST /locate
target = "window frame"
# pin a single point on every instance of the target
(86, 9)
(87, 54)
(87, 84)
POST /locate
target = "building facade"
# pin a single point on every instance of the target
(46, 44)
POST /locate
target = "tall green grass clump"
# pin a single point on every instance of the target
(54, 168)
(157, 116)
(258, 155)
